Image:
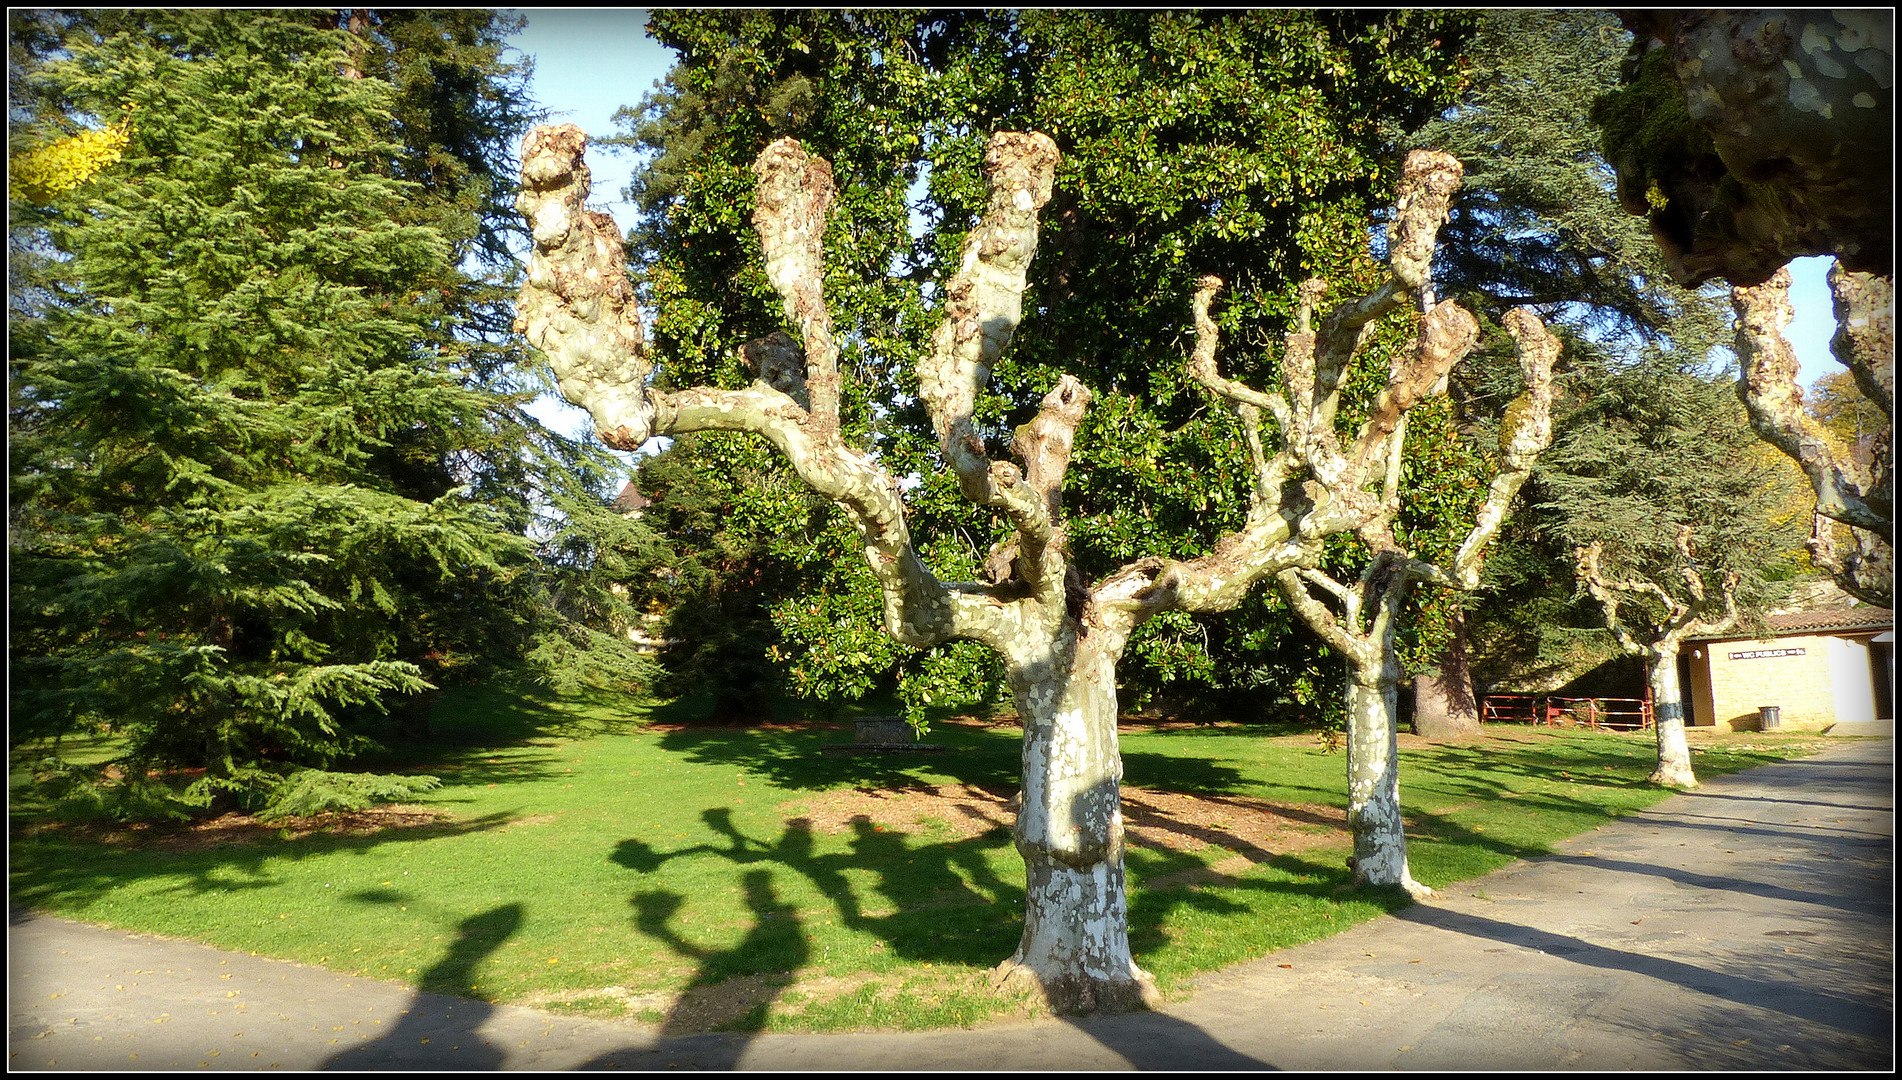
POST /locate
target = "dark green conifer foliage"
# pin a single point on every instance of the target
(1537, 220)
(252, 441)
(1645, 449)
(1537, 223)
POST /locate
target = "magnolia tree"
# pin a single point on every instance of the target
(1058, 636)
(1856, 489)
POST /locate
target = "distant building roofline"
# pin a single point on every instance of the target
(630, 500)
(1818, 621)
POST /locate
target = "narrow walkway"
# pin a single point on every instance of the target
(1747, 925)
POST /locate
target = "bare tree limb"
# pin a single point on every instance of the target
(577, 305)
(1524, 433)
(1680, 618)
(984, 302)
(1202, 359)
(1334, 629)
(1769, 390)
(1864, 305)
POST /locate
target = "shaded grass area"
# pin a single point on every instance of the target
(592, 857)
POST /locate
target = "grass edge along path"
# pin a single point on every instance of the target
(584, 859)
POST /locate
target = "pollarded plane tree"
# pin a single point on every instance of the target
(1651, 621)
(1059, 638)
(1364, 628)
(1854, 488)
(1361, 482)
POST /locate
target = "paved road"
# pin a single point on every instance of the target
(1747, 925)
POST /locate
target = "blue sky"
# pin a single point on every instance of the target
(590, 62)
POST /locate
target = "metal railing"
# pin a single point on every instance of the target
(1607, 713)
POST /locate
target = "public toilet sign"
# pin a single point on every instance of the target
(1758, 654)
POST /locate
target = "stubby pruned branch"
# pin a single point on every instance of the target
(1044, 444)
(1523, 434)
(1286, 523)
(795, 194)
(984, 302)
(577, 305)
(1857, 489)
(1864, 305)
(1447, 333)
(780, 363)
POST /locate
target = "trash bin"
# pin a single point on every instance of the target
(1768, 717)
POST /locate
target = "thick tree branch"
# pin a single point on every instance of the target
(578, 307)
(1202, 359)
(1606, 593)
(984, 302)
(1333, 628)
(1524, 433)
(1447, 333)
(1866, 571)
(1864, 305)
(794, 195)
(1680, 619)
(1769, 390)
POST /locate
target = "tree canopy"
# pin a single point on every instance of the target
(1262, 141)
(265, 486)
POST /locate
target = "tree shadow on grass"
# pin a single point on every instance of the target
(441, 1028)
(931, 888)
(796, 758)
(927, 902)
(60, 874)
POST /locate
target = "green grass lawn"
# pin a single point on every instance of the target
(590, 863)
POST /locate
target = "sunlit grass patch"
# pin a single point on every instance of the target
(581, 859)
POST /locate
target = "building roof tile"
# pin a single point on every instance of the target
(1816, 621)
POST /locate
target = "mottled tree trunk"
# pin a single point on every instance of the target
(1070, 832)
(1667, 703)
(1373, 775)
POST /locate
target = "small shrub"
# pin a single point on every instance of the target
(86, 793)
(315, 791)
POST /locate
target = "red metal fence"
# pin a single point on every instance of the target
(1615, 714)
